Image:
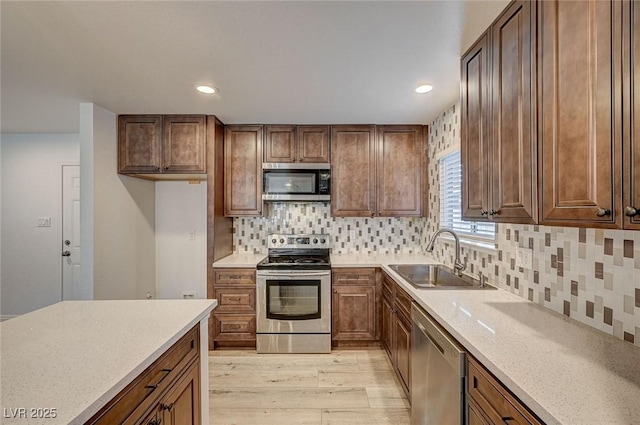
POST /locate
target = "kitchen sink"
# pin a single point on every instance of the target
(435, 276)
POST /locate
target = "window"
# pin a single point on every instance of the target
(451, 202)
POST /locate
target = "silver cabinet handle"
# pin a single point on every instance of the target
(631, 211)
(66, 253)
(602, 212)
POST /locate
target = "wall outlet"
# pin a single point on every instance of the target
(44, 221)
(189, 295)
(192, 235)
(524, 258)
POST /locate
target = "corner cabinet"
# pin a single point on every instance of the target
(355, 307)
(157, 144)
(498, 132)
(243, 170)
(290, 143)
(378, 171)
(580, 120)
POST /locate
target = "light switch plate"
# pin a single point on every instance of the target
(44, 221)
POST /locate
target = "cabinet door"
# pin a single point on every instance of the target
(401, 165)
(280, 143)
(313, 143)
(353, 171)
(579, 111)
(139, 143)
(181, 406)
(184, 144)
(474, 130)
(353, 313)
(402, 328)
(243, 170)
(632, 107)
(514, 147)
(387, 328)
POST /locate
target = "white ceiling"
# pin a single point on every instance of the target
(274, 62)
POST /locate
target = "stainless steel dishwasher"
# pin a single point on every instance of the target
(438, 373)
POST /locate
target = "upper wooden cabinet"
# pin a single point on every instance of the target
(498, 138)
(631, 131)
(243, 170)
(303, 143)
(401, 170)
(353, 174)
(377, 171)
(153, 144)
(580, 119)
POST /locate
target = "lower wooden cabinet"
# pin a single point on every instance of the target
(396, 330)
(355, 307)
(167, 392)
(233, 322)
(489, 402)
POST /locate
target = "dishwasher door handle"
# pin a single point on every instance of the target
(433, 341)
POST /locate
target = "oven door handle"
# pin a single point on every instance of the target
(287, 274)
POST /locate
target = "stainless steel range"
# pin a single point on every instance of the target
(294, 296)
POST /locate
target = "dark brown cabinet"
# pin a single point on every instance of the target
(233, 322)
(631, 131)
(489, 402)
(167, 392)
(156, 144)
(355, 307)
(580, 115)
(377, 171)
(401, 170)
(303, 143)
(396, 330)
(243, 170)
(498, 138)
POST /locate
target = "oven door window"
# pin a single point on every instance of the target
(293, 299)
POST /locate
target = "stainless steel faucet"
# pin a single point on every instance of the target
(457, 264)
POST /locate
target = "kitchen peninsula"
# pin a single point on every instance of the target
(81, 362)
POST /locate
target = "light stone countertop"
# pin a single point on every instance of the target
(566, 372)
(239, 261)
(75, 356)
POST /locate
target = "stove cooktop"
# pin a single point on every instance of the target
(297, 252)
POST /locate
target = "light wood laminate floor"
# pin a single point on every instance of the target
(346, 387)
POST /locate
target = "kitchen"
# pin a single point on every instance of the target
(559, 278)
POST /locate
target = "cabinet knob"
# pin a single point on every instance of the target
(156, 421)
(602, 212)
(484, 212)
(167, 407)
(631, 211)
(166, 167)
(494, 212)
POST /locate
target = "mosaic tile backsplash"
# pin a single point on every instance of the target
(590, 275)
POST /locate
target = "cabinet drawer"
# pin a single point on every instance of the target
(234, 327)
(493, 399)
(235, 277)
(149, 386)
(403, 302)
(234, 300)
(354, 276)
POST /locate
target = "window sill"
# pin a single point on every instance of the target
(486, 247)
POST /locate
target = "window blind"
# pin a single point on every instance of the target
(451, 202)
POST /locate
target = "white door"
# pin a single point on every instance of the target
(71, 287)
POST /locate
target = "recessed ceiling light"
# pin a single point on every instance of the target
(424, 88)
(206, 89)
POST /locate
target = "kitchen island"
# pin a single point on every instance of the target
(64, 363)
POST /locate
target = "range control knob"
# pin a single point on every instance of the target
(315, 240)
(273, 241)
(281, 240)
(323, 240)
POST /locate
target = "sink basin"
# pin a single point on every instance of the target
(435, 276)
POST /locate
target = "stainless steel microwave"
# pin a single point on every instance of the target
(296, 182)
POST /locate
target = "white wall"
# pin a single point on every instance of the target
(181, 264)
(120, 215)
(31, 170)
